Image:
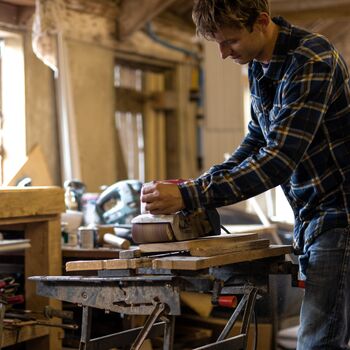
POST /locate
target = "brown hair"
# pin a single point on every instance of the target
(211, 15)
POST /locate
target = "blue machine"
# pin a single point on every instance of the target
(120, 202)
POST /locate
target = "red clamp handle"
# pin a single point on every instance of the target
(15, 299)
(227, 301)
(301, 284)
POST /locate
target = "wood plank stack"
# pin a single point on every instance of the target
(189, 255)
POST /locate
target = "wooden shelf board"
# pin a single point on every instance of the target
(11, 337)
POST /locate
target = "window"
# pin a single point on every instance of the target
(12, 106)
(141, 120)
(129, 119)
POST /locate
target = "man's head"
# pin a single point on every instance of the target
(242, 28)
(212, 15)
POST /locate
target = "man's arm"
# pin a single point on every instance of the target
(304, 104)
(165, 198)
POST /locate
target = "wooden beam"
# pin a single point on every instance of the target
(8, 14)
(101, 8)
(301, 11)
(25, 14)
(305, 5)
(20, 2)
(135, 13)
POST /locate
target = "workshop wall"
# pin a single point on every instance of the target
(92, 77)
(92, 49)
(224, 91)
(41, 123)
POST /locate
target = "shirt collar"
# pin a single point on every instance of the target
(279, 54)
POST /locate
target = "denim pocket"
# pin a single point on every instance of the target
(330, 240)
(303, 264)
(320, 249)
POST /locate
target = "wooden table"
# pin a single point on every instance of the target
(36, 211)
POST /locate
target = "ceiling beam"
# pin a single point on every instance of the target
(301, 5)
(8, 14)
(135, 13)
(101, 8)
(20, 2)
(308, 10)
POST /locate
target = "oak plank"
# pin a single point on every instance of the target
(230, 248)
(198, 263)
(262, 229)
(84, 265)
(210, 241)
(127, 263)
(108, 264)
(31, 201)
(24, 333)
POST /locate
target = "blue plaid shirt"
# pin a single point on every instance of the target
(299, 138)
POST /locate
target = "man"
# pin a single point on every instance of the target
(298, 138)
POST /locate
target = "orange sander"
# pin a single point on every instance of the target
(148, 228)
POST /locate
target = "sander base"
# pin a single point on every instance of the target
(148, 228)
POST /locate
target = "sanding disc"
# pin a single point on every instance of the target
(152, 232)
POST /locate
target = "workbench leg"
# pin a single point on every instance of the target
(248, 312)
(85, 328)
(43, 258)
(169, 333)
(2, 315)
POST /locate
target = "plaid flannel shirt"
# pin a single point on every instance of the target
(298, 137)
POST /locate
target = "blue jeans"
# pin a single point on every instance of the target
(325, 311)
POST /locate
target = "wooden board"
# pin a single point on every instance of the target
(95, 253)
(262, 229)
(178, 262)
(11, 337)
(108, 264)
(214, 242)
(34, 167)
(230, 248)
(198, 263)
(30, 201)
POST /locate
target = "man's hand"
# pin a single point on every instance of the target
(162, 198)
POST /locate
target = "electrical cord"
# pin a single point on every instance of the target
(225, 229)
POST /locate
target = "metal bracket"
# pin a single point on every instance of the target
(247, 302)
(159, 309)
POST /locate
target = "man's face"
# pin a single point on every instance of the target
(239, 44)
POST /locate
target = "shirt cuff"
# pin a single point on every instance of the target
(191, 194)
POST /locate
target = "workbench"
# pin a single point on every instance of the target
(35, 211)
(151, 285)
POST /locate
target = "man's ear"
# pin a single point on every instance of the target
(262, 21)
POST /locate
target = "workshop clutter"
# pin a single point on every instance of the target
(92, 219)
(10, 292)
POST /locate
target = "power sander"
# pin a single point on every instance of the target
(148, 228)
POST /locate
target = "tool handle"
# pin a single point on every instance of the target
(116, 241)
(227, 301)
